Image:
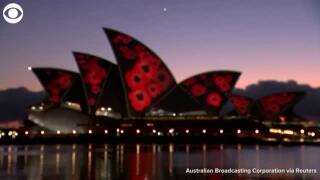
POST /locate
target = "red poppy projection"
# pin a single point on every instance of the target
(57, 82)
(214, 99)
(146, 77)
(272, 106)
(211, 89)
(241, 103)
(94, 72)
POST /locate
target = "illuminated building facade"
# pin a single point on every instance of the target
(141, 86)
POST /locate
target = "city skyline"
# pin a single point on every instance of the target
(265, 40)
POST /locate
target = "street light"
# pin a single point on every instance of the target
(171, 130)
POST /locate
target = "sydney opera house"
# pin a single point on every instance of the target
(139, 95)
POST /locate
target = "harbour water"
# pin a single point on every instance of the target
(158, 161)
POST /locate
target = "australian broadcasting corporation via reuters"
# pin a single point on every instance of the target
(249, 171)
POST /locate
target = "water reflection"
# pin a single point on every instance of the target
(89, 160)
(150, 161)
(41, 159)
(171, 149)
(57, 159)
(104, 173)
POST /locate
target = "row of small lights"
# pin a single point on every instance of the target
(171, 131)
(121, 131)
(14, 134)
(42, 132)
(69, 103)
(138, 131)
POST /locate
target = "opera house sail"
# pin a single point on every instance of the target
(145, 77)
(211, 89)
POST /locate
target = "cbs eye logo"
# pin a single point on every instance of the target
(12, 13)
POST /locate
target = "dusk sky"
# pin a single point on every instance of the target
(264, 39)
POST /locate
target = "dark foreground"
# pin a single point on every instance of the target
(157, 161)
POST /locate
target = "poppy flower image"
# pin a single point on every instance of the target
(164, 79)
(146, 68)
(218, 79)
(127, 53)
(270, 105)
(95, 76)
(214, 99)
(223, 82)
(93, 73)
(91, 79)
(95, 90)
(64, 80)
(240, 103)
(135, 79)
(153, 89)
(155, 62)
(189, 82)
(101, 73)
(139, 99)
(198, 90)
